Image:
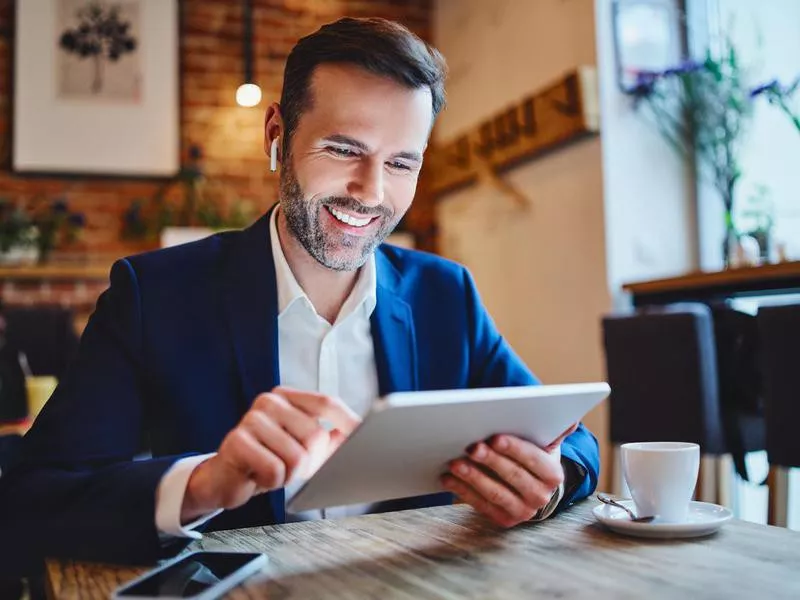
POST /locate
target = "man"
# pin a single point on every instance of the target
(231, 351)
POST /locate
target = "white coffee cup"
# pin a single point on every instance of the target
(661, 477)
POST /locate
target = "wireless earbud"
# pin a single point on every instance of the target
(273, 155)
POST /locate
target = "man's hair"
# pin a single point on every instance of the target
(382, 47)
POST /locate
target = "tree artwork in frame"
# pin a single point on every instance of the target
(96, 88)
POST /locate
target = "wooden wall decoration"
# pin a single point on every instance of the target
(562, 112)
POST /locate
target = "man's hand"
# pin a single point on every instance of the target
(280, 437)
(507, 479)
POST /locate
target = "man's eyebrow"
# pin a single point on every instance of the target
(412, 156)
(340, 138)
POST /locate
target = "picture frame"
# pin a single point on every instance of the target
(649, 35)
(96, 88)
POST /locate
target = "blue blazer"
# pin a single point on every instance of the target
(178, 347)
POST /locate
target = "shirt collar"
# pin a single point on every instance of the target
(364, 292)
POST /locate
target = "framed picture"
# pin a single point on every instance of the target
(96, 88)
(648, 36)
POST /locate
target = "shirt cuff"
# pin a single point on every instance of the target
(169, 500)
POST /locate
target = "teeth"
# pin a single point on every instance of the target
(345, 218)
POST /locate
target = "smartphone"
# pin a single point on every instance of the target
(197, 575)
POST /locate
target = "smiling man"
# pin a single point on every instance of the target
(226, 355)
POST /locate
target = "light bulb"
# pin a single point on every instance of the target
(248, 94)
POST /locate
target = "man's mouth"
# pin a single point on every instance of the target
(349, 219)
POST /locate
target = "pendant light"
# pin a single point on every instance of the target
(248, 94)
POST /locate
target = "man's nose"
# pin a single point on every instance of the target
(366, 184)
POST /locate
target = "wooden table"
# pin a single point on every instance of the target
(450, 552)
(781, 278)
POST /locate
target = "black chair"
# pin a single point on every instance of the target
(740, 383)
(779, 329)
(663, 367)
(13, 589)
(47, 337)
(46, 334)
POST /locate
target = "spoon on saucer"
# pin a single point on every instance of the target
(611, 502)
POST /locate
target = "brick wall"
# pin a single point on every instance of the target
(230, 136)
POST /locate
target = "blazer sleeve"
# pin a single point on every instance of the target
(76, 490)
(493, 363)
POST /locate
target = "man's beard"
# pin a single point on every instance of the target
(330, 248)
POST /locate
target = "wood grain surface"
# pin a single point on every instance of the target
(450, 552)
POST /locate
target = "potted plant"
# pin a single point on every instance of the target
(29, 235)
(702, 109)
(18, 237)
(205, 206)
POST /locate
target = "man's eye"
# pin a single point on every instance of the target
(399, 166)
(343, 152)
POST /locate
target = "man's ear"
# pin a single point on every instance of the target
(273, 129)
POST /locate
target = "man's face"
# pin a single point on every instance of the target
(353, 164)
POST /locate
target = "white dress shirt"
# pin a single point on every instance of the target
(336, 360)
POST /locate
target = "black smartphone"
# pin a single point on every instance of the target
(197, 575)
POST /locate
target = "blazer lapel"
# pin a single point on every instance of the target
(251, 304)
(393, 332)
(250, 298)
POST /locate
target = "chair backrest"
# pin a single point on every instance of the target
(661, 366)
(46, 334)
(736, 335)
(779, 330)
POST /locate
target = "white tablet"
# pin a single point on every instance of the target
(406, 440)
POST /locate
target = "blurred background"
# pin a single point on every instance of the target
(612, 173)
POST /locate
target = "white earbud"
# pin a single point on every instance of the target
(273, 155)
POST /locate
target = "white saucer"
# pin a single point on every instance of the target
(704, 519)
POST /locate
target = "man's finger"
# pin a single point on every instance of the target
(533, 491)
(321, 406)
(280, 442)
(478, 502)
(322, 454)
(537, 461)
(302, 427)
(254, 461)
(337, 439)
(493, 491)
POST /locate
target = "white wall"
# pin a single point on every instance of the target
(650, 217)
(541, 271)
